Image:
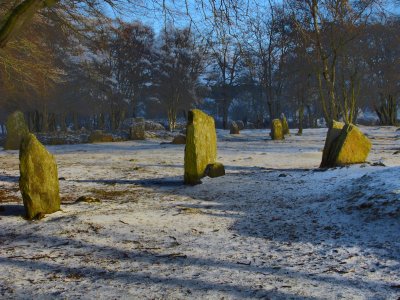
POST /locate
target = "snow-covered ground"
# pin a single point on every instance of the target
(274, 227)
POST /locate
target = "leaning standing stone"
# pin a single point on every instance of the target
(16, 130)
(201, 145)
(350, 147)
(333, 133)
(276, 130)
(38, 179)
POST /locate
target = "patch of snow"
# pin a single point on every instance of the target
(275, 226)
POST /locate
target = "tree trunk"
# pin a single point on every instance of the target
(171, 118)
(101, 121)
(63, 124)
(76, 121)
(301, 118)
(387, 111)
(37, 121)
(45, 120)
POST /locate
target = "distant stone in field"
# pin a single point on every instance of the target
(137, 130)
(151, 125)
(201, 145)
(148, 124)
(215, 170)
(38, 179)
(277, 130)
(344, 145)
(179, 140)
(98, 136)
(285, 125)
(240, 124)
(16, 130)
(234, 128)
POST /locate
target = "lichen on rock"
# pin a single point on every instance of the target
(38, 178)
(277, 130)
(344, 145)
(285, 125)
(215, 170)
(201, 145)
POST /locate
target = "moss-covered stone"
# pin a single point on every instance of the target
(201, 145)
(276, 130)
(98, 136)
(333, 133)
(38, 178)
(16, 130)
(285, 126)
(215, 170)
(351, 147)
(234, 128)
(345, 145)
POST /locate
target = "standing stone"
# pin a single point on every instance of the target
(351, 147)
(333, 133)
(285, 125)
(137, 130)
(201, 145)
(16, 130)
(276, 130)
(234, 128)
(38, 179)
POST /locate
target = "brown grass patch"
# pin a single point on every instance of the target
(6, 196)
(106, 194)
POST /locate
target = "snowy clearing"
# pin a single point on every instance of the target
(274, 227)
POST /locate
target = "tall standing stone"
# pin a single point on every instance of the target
(201, 145)
(277, 130)
(38, 178)
(16, 130)
(285, 125)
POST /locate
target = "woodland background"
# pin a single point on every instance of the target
(93, 64)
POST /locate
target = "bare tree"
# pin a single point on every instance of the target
(331, 26)
(177, 70)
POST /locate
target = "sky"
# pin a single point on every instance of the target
(154, 14)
